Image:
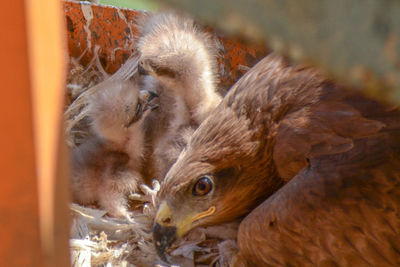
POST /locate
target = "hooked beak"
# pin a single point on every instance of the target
(145, 103)
(147, 98)
(163, 238)
(166, 229)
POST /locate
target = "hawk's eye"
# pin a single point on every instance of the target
(203, 186)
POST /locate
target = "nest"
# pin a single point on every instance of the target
(99, 240)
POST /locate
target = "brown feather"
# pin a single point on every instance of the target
(338, 152)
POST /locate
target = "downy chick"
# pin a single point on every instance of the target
(180, 60)
(107, 166)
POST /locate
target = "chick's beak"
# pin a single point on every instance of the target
(146, 103)
(148, 100)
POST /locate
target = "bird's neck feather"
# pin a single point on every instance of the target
(198, 85)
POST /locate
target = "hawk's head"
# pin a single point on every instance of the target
(225, 170)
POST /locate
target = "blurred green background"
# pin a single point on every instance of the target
(134, 4)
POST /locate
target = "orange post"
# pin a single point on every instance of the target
(47, 56)
(19, 217)
(33, 203)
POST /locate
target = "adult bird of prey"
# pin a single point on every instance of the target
(312, 168)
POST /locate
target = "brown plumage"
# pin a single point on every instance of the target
(180, 61)
(313, 168)
(107, 166)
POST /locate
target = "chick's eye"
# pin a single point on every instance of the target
(203, 186)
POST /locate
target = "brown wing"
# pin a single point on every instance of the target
(328, 127)
(341, 210)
